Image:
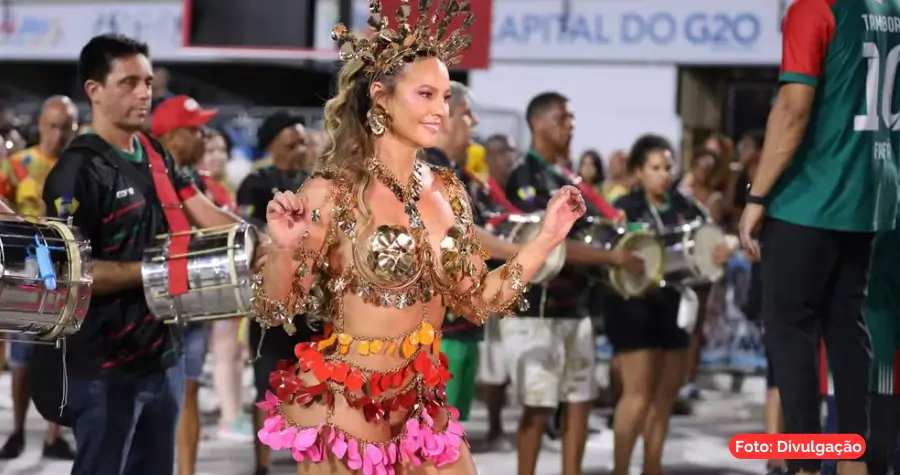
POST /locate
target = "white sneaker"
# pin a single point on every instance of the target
(238, 431)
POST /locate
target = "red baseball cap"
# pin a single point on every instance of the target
(179, 111)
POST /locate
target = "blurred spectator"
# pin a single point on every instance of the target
(315, 147)
(590, 169)
(500, 158)
(749, 152)
(11, 144)
(475, 162)
(702, 184)
(225, 344)
(6, 189)
(271, 128)
(56, 125)
(701, 187)
(160, 87)
(216, 156)
(618, 179)
(723, 147)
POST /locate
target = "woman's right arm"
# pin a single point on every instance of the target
(281, 287)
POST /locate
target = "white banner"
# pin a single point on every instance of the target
(58, 32)
(636, 31)
(633, 31)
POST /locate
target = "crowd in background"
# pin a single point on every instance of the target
(714, 176)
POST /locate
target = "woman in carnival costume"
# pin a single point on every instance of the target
(377, 244)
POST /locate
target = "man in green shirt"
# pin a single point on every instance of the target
(827, 182)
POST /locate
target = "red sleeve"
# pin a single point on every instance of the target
(807, 30)
(187, 192)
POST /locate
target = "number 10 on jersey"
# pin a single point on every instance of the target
(875, 86)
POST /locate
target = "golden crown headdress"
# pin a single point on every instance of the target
(388, 49)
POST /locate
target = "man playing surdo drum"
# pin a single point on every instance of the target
(125, 384)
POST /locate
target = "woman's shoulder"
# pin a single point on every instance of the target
(326, 184)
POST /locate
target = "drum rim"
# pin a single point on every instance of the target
(615, 274)
(235, 234)
(560, 252)
(693, 263)
(71, 237)
(247, 233)
(516, 227)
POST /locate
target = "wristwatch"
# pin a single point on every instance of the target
(756, 199)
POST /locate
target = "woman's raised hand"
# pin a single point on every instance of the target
(287, 219)
(566, 206)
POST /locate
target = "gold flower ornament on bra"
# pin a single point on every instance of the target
(387, 48)
(397, 260)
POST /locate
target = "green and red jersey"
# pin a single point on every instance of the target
(843, 176)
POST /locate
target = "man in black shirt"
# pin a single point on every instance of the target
(283, 137)
(125, 382)
(178, 124)
(554, 353)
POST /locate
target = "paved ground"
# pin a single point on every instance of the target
(698, 445)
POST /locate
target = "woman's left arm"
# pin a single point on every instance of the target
(484, 294)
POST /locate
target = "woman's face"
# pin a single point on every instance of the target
(215, 156)
(419, 104)
(702, 168)
(712, 144)
(618, 165)
(588, 169)
(656, 174)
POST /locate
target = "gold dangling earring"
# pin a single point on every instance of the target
(377, 118)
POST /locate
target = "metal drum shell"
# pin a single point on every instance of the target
(52, 314)
(683, 264)
(607, 235)
(521, 228)
(219, 275)
(711, 235)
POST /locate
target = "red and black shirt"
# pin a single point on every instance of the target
(118, 333)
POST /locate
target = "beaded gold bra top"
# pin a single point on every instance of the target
(393, 265)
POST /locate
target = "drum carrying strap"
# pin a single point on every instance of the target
(179, 226)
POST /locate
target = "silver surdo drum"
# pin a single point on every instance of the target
(689, 247)
(521, 228)
(603, 234)
(218, 269)
(45, 288)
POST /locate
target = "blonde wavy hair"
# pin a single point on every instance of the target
(350, 140)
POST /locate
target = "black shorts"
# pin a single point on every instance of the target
(646, 323)
(276, 346)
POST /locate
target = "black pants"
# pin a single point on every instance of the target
(814, 286)
(883, 438)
